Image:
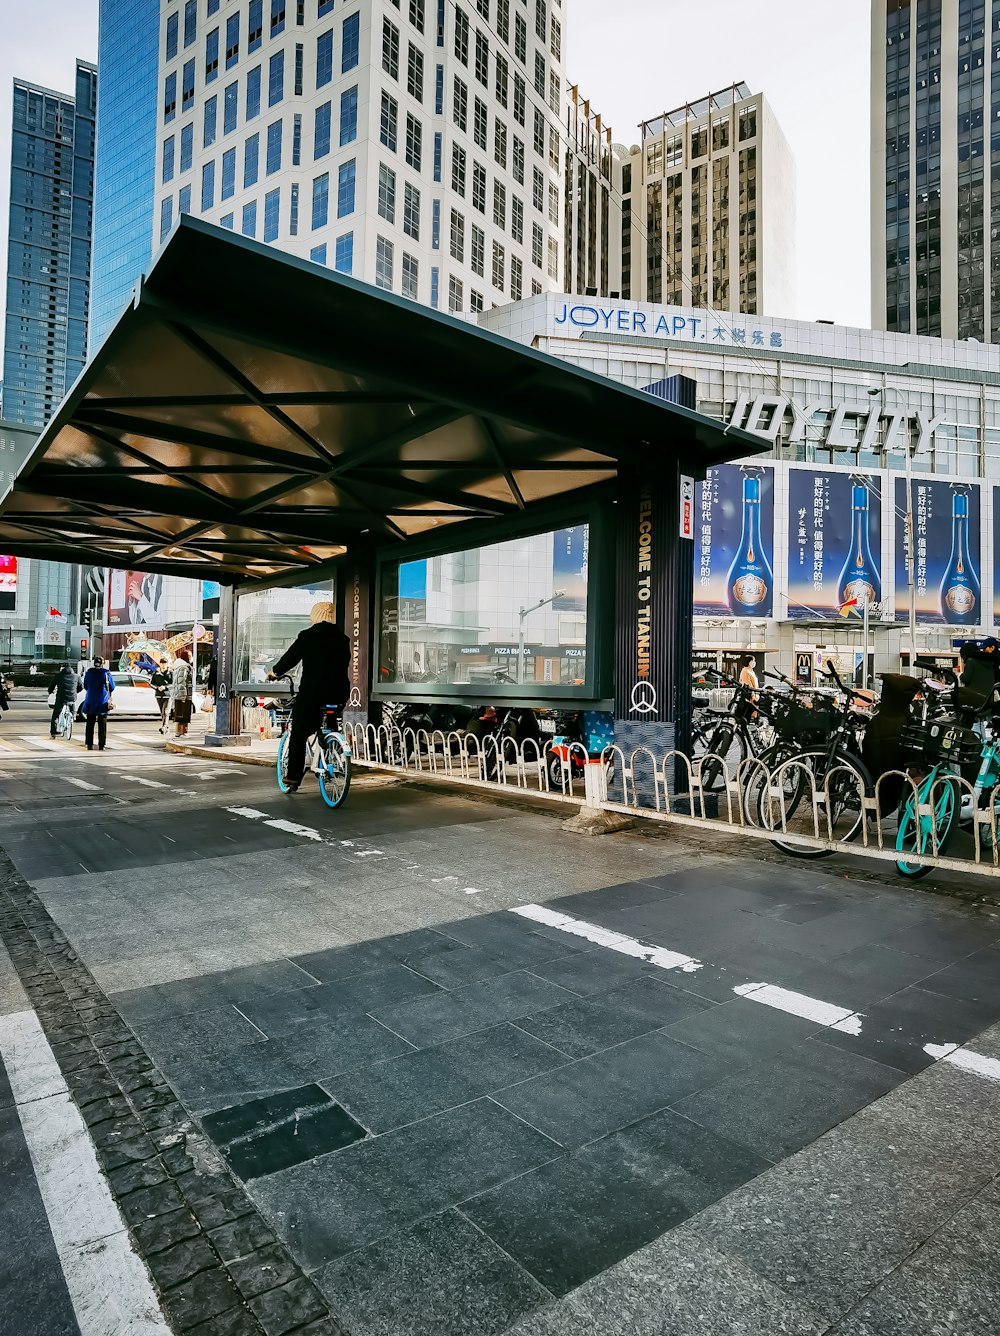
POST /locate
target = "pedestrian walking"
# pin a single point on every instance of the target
(180, 692)
(65, 688)
(99, 686)
(161, 682)
(4, 696)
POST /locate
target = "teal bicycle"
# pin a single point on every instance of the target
(328, 753)
(64, 724)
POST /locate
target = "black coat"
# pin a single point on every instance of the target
(325, 655)
(66, 685)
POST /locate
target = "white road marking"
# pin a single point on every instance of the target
(473, 890)
(798, 1004)
(149, 783)
(46, 744)
(614, 941)
(293, 828)
(966, 1059)
(250, 813)
(108, 1285)
(82, 784)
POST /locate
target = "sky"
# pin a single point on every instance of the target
(635, 59)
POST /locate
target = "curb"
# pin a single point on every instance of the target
(219, 754)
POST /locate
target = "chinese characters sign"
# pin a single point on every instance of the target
(834, 542)
(734, 542)
(946, 551)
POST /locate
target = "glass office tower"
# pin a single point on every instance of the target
(48, 265)
(126, 148)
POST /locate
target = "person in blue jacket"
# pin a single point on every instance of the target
(99, 686)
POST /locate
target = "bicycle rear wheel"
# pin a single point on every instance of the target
(282, 763)
(66, 722)
(841, 784)
(334, 772)
(917, 833)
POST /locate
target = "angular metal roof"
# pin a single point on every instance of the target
(252, 414)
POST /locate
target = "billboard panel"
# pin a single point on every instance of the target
(570, 555)
(8, 584)
(834, 542)
(734, 542)
(947, 558)
(135, 599)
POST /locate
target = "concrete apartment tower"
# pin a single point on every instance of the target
(415, 144)
(593, 234)
(711, 207)
(935, 190)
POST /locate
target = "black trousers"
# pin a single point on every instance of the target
(307, 715)
(101, 720)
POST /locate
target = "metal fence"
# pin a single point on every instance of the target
(951, 826)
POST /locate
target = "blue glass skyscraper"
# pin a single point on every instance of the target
(48, 266)
(128, 51)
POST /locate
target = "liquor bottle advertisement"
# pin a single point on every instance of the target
(996, 555)
(834, 542)
(734, 542)
(946, 551)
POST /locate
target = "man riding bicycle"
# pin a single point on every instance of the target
(324, 652)
(66, 685)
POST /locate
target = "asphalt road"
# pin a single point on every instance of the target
(438, 1066)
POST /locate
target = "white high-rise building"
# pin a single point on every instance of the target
(414, 144)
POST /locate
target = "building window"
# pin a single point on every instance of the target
(350, 46)
(324, 59)
(298, 68)
(230, 108)
(483, 6)
(232, 40)
(411, 211)
(166, 216)
(293, 214)
(479, 187)
(207, 186)
(228, 189)
(187, 86)
(321, 201)
(343, 253)
(390, 49)
(212, 56)
(318, 254)
(417, 14)
(500, 204)
(383, 263)
(349, 115)
(454, 294)
(251, 161)
(415, 73)
(439, 90)
(537, 241)
(456, 239)
(554, 91)
(517, 219)
(253, 93)
(553, 203)
(539, 136)
(438, 151)
(184, 200)
(297, 140)
(409, 288)
(458, 170)
(436, 224)
(502, 81)
(323, 7)
(482, 59)
(518, 160)
(475, 301)
(171, 42)
(500, 143)
(167, 170)
(520, 39)
(277, 26)
(255, 25)
(435, 287)
(460, 105)
(321, 131)
(276, 79)
(516, 279)
(477, 256)
(170, 97)
(272, 209)
(461, 36)
(537, 189)
(388, 121)
(346, 179)
(414, 137)
(386, 193)
(211, 122)
(520, 99)
(187, 146)
(480, 123)
(190, 22)
(273, 148)
(499, 265)
(249, 228)
(541, 19)
(553, 258)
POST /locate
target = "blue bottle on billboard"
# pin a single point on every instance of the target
(860, 577)
(960, 583)
(750, 584)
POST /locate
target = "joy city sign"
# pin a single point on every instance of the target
(847, 426)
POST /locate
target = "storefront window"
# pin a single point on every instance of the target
(511, 612)
(268, 620)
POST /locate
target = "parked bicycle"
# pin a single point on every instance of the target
(328, 753)
(723, 739)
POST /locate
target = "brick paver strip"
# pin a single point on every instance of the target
(218, 1268)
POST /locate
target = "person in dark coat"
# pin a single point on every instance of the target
(65, 686)
(324, 652)
(99, 686)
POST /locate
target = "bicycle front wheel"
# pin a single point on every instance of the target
(917, 833)
(334, 772)
(66, 722)
(720, 752)
(282, 763)
(839, 785)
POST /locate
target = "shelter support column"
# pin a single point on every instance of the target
(653, 616)
(356, 614)
(227, 705)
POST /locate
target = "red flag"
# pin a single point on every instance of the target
(54, 612)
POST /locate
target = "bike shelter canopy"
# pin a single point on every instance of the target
(251, 416)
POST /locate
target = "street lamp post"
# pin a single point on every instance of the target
(880, 392)
(521, 616)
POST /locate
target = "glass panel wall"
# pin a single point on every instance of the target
(509, 612)
(268, 620)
